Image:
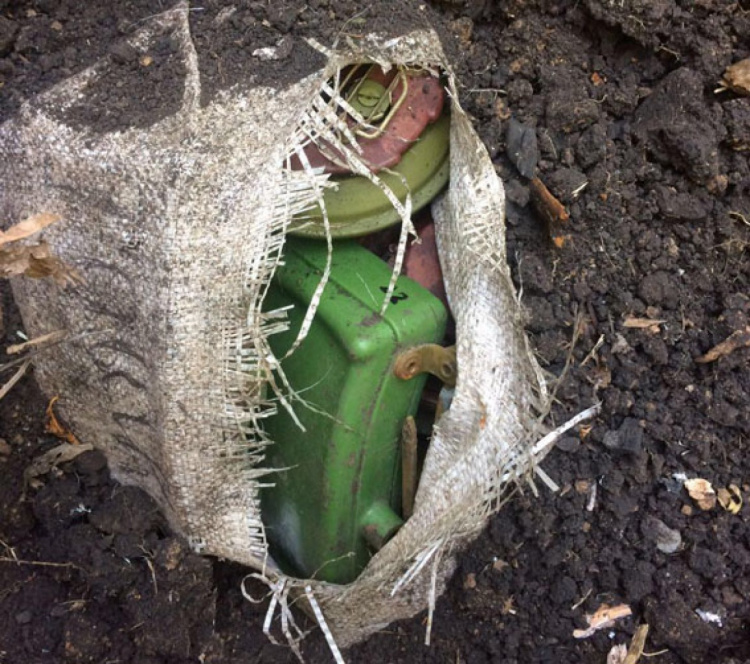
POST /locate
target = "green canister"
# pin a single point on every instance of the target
(336, 497)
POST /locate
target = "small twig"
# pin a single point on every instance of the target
(10, 551)
(51, 337)
(147, 556)
(570, 356)
(169, 11)
(52, 344)
(738, 339)
(582, 600)
(150, 565)
(498, 90)
(592, 352)
(740, 216)
(675, 54)
(351, 19)
(643, 323)
(577, 191)
(40, 563)
(80, 600)
(14, 379)
(409, 480)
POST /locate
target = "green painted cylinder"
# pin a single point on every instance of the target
(379, 524)
(338, 493)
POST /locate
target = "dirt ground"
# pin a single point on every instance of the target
(652, 164)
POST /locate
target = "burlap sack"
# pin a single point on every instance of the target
(176, 229)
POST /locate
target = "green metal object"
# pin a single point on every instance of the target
(371, 100)
(338, 496)
(358, 207)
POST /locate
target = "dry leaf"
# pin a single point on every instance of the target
(643, 323)
(462, 28)
(35, 261)
(53, 458)
(730, 499)
(27, 227)
(617, 654)
(637, 645)
(701, 492)
(738, 339)
(737, 77)
(582, 486)
(508, 608)
(501, 109)
(604, 617)
(54, 427)
(620, 345)
(551, 210)
(602, 378)
(499, 565)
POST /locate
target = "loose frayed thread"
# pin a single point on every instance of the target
(279, 595)
(435, 551)
(279, 598)
(323, 625)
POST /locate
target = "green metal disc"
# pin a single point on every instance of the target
(370, 100)
(358, 207)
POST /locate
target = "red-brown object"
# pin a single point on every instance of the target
(422, 263)
(416, 100)
(552, 211)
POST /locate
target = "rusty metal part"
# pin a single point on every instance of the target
(422, 263)
(408, 466)
(428, 358)
(408, 101)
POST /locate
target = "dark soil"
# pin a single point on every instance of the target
(620, 97)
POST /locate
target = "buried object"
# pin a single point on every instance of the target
(337, 491)
(404, 139)
(176, 229)
(336, 498)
